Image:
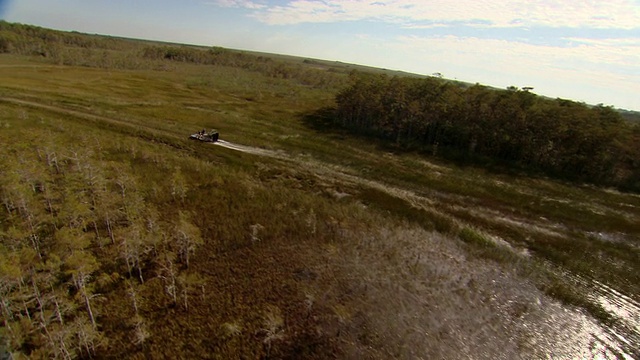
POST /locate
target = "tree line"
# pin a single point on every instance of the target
(34, 40)
(71, 48)
(223, 57)
(556, 137)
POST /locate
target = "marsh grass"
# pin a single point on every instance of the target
(390, 275)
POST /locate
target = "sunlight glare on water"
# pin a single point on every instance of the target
(569, 334)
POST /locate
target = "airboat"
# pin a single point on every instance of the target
(211, 136)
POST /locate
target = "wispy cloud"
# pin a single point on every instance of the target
(424, 26)
(247, 4)
(585, 66)
(617, 43)
(622, 53)
(621, 14)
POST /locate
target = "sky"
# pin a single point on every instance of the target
(587, 50)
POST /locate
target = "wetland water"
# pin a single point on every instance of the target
(579, 335)
(561, 332)
(619, 340)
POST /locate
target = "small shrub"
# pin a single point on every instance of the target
(471, 236)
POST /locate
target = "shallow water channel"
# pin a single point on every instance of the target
(580, 336)
(622, 339)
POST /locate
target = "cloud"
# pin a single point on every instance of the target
(424, 26)
(616, 42)
(617, 55)
(596, 71)
(621, 14)
(247, 4)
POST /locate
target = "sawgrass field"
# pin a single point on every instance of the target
(122, 238)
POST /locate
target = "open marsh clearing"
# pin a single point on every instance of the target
(581, 336)
(313, 244)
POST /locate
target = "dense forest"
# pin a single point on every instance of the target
(558, 137)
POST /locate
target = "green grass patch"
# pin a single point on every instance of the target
(401, 209)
